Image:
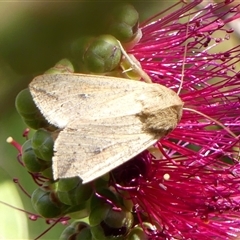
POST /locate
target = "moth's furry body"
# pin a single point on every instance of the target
(106, 121)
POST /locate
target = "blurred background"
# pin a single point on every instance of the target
(33, 37)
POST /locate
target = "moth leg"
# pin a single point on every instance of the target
(135, 65)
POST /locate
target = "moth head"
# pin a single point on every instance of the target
(163, 120)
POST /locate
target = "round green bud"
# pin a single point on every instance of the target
(98, 214)
(98, 233)
(71, 191)
(25, 105)
(42, 143)
(48, 172)
(123, 22)
(63, 66)
(84, 234)
(127, 201)
(106, 193)
(36, 123)
(79, 47)
(77, 231)
(46, 203)
(119, 219)
(114, 222)
(31, 161)
(102, 182)
(103, 55)
(137, 233)
(79, 211)
(28, 110)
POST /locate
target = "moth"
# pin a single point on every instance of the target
(105, 121)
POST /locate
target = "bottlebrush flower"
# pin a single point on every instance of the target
(192, 190)
(187, 185)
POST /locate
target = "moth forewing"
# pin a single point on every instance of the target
(92, 148)
(106, 121)
(59, 96)
(165, 109)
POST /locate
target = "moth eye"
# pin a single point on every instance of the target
(168, 131)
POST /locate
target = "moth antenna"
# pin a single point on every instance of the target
(213, 120)
(135, 65)
(219, 124)
(195, 111)
(184, 60)
(183, 68)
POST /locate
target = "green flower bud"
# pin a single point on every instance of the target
(102, 182)
(48, 172)
(25, 105)
(103, 55)
(108, 222)
(97, 55)
(63, 66)
(31, 161)
(28, 110)
(127, 201)
(95, 201)
(84, 234)
(76, 231)
(98, 214)
(46, 203)
(71, 191)
(98, 233)
(79, 211)
(42, 144)
(79, 47)
(123, 22)
(137, 233)
(119, 219)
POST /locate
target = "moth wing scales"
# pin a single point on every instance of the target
(59, 96)
(90, 149)
(62, 98)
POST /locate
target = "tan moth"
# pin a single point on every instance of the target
(105, 121)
